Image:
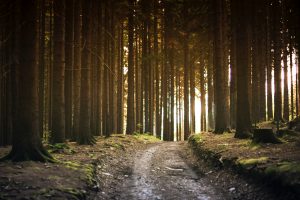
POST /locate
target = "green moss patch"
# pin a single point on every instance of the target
(146, 137)
(284, 167)
(196, 139)
(252, 161)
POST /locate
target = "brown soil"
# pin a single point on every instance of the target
(130, 167)
(74, 175)
(276, 166)
(231, 148)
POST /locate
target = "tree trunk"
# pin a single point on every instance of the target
(187, 130)
(277, 61)
(77, 68)
(120, 81)
(58, 104)
(69, 48)
(285, 63)
(130, 99)
(192, 97)
(233, 71)
(42, 66)
(85, 135)
(243, 124)
(27, 143)
(157, 74)
(219, 76)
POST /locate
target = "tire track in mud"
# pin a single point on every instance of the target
(160, 172)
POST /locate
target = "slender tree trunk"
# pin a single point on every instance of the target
(192, 97)
(120, 81)
(42, 66)
(219, 80)
(58, 105)
(157, 74)
(202, 92)
(233, 71)
(277, 61)
(210, 90)
(292, 79)
(269, 67)
(243, 123)
(130, 99)
(285, 63)
(69, 49)
(187, 130)
(85, 135)
(77, 68)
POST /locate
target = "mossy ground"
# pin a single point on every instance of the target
(74, 175)
(280, 162)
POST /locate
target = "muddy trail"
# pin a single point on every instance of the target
(168, 170)
(160, 172)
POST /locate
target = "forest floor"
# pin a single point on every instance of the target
(126, 167)
(274, 166)
(82, 171)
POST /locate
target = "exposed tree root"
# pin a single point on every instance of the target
(30, 154)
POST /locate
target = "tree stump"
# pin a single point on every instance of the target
(265, 136)
(294, 124)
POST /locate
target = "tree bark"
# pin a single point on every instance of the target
(130, 99)
(243, 124)
(77, 68)
(85, 133)
(27, 143)
(219, 80)
(58, 104)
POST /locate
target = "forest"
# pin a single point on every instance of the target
(78, 74)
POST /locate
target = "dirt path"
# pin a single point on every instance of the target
(160, 172)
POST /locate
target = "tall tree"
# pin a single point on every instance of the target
(157, 73)
(243, 123)
(130, 99)
(285, 62)
(77, 68)
(58, 104)
(277, 60)
(69, 53)
(120, 80)
(27, 143)
(85, 133)
(219, 76)
(186, 87)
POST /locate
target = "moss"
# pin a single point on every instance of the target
(146, 137)
(254, 145)
(87, 169)
(72, 165)
(252, 161)
(284, 167)
(60, 147)
(90, 171)
(196, 139)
